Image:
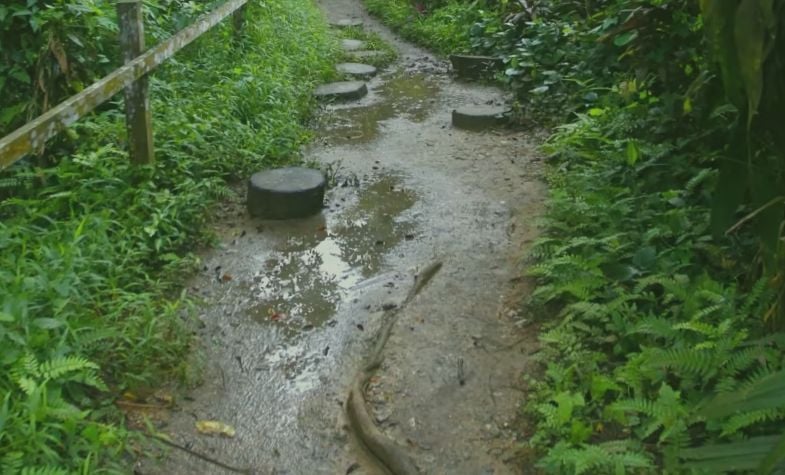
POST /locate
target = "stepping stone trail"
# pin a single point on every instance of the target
(479, 117)
(286, 193)
(342, 90)
(356, 69)
(352, 45)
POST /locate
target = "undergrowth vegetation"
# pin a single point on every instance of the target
(386, 54)
(443, 29)
(660, 267)
(93, 250)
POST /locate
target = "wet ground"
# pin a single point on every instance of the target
(291, 308)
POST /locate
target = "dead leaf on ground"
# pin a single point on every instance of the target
(275, 315)
(215, 428)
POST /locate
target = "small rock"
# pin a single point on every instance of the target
(352, 45)
(342, 90)
(347, 23)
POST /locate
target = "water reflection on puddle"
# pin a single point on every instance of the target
(300, 285)
(403, 95)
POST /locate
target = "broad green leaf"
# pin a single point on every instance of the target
(540, 90)
(48, 323)
(625, 38)
(718, 24)
(775, 457)
(566, 403)
(633, 152)
(720, 458)
(767, 392)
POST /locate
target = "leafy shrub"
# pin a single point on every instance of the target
(657, 309)
(440, 26)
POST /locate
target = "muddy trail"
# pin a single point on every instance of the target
(292, 309)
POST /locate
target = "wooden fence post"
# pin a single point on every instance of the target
(137, 96)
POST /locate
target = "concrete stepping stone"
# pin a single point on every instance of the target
(356, 69)
(473, 67)
(286, 193)
(347, 23)
(342, 90)
(479, 117)
(352, 45)
(366, 54)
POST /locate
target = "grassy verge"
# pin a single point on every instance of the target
(374, 42)
(444, 29)
(92, 264)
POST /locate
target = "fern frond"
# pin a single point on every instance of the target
(740, 421)
(27, 385)
(550, 417)
(754, 296)
(96, 335)
(27, 366)
(594, 459)
(726, 384)
(699, 178)
(656, 279)
(655, 326)
(764, 391)
(61, 366)
(48, 470)
(702, 314)
(12, 462)
(91, 378)
(685, 360)
(742, 360)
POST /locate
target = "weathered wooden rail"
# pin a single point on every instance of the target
(132, 77)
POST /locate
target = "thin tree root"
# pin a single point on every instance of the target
(199, 455)
(391, 458)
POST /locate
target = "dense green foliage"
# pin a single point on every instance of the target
(93, 251)
(442, 27)
(662, 341)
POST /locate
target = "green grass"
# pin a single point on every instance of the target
(374, 43)
(92, 265)
(444, 30)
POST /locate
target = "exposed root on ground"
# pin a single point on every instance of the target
(390, 457)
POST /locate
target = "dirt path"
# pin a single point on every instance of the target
(291, 308)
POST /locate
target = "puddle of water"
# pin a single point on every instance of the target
(403, 95)
(300, 285)
(374, 226)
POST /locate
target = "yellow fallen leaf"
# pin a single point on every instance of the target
(215, 428)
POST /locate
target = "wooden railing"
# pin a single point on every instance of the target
(132, 77)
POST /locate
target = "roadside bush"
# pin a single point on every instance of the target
(660, 270)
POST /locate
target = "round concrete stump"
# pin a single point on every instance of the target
(346, 23)
(352, 45)
(366, 54)
(357, 70)
(479, 117)
(342, 90)
(473, 67)
(286, 193)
